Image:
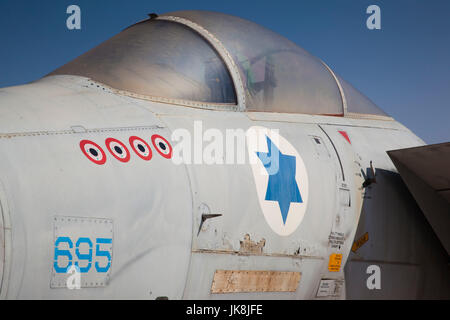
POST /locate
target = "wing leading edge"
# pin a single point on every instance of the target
(426, 172)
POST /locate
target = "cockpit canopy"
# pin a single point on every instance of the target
(210, 58)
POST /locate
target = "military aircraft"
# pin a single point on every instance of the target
(334, 200)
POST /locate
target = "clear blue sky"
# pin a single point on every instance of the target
(404, 67)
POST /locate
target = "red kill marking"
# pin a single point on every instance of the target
(345, 135)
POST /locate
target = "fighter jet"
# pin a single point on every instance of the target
(198, 155)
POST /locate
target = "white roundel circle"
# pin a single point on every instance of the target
(280, 178)
(141, 148)
(162, 146)
(118, 149)
(93, 151)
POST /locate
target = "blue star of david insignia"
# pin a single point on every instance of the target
(282, 186)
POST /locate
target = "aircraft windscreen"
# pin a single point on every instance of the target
(158, 58)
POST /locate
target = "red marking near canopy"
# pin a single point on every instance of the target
(345, 135)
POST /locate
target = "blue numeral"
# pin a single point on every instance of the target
(65, 253)
(102, 253)
(86, 256)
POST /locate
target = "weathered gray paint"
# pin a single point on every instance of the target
(2, 247)
(159, 247)
(156, 206)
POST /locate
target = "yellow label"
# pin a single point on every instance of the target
(334, 265)
(359, 243)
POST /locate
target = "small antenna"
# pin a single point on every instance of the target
(153, 15)
(372, 179)
(204, 218)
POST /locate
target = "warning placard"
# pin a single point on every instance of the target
(334, 265)
(359, 243)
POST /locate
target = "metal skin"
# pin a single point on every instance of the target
(175, 225)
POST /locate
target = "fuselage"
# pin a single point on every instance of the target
(57, 202)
